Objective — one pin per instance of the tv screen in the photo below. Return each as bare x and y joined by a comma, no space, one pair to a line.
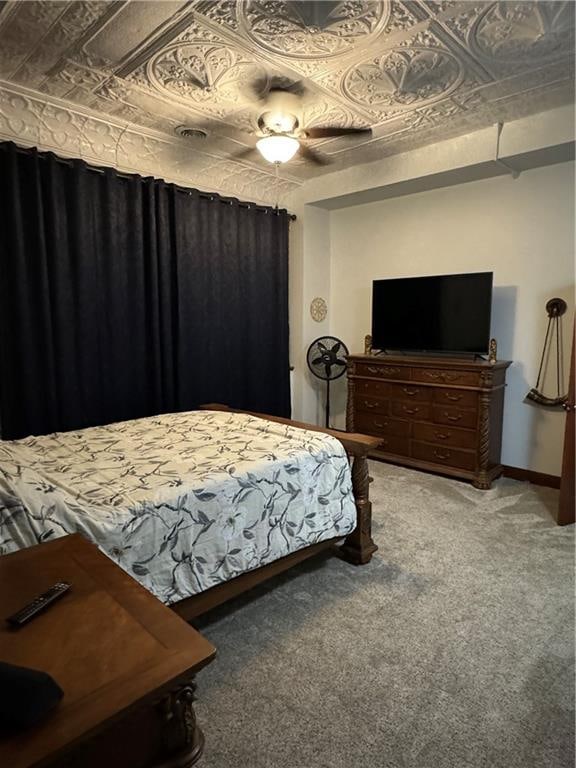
444,313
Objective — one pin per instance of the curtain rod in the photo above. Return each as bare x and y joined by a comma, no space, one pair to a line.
186,190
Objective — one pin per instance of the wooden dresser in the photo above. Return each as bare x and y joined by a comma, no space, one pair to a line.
433,413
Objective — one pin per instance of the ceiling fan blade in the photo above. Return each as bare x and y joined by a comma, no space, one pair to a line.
336,348
245,154
257,89
296,87
312,156
261,88
317,361
332,132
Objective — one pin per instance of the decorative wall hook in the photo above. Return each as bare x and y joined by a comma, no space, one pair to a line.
555,308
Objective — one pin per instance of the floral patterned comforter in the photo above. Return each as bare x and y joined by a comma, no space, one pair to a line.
181,501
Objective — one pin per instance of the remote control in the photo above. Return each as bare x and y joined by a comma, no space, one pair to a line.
40,603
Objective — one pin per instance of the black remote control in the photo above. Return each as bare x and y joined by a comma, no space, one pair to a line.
40,603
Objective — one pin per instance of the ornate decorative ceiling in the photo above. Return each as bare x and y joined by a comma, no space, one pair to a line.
416,71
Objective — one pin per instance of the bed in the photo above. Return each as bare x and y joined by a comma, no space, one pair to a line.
197,506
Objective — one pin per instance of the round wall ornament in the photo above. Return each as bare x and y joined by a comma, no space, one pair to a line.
318,309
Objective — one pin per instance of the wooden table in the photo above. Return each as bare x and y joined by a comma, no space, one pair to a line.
125,661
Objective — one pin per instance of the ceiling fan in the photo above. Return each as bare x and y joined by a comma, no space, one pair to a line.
280,124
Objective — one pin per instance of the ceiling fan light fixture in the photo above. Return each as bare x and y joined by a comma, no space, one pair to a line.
278,149
278,121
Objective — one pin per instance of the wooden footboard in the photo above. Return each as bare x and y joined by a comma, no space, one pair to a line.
358,547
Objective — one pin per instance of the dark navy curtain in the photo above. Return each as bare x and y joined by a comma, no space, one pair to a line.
124,296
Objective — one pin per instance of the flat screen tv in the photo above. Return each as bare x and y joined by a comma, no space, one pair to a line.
443,313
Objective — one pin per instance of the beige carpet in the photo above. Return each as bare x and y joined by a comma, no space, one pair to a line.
452,649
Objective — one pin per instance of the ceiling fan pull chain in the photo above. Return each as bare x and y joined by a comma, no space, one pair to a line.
277,165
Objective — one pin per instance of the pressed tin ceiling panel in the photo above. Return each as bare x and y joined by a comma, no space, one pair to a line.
415,71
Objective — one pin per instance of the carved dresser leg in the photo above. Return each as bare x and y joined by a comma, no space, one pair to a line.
183,739
359,545
482,479
350,426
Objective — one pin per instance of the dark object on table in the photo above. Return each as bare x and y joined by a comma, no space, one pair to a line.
26,696
39,604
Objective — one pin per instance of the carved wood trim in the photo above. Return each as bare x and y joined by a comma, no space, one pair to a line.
383,370
183,740
486,378
449,378
483,480
350,410
359,545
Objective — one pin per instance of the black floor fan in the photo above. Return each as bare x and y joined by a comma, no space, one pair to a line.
326,359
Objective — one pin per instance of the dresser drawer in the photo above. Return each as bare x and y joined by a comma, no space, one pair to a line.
380,425
394,444
438,454
461,397
410,392
371,404
441,435
456,417
438,376
382,371
419,411
370,388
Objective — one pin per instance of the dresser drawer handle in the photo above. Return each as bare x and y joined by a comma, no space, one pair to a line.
371,405
410,410
381,424
454,398
443,435
442,456
410,392
453,418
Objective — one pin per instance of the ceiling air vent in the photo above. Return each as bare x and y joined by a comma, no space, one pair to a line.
187,132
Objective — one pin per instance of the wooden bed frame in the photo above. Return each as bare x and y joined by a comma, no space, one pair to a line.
358,547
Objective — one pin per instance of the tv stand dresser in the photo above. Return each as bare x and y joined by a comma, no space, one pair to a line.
432,413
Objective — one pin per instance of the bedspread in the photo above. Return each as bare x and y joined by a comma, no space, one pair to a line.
182,501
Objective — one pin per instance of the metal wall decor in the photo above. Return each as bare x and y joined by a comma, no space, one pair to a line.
555,309
318,309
